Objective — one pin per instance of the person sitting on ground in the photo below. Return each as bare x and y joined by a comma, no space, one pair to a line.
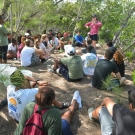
89,42
79,40
89,61
88,36
54,42
114,118
12,49
54,123
105,67
118,59
21,46
29,55
59,35
109,44
65,40
70,67
21,92
39,45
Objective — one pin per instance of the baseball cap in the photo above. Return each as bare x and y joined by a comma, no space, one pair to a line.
70,50
65,33
27,34
113,49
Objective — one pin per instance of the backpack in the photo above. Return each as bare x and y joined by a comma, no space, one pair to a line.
34,125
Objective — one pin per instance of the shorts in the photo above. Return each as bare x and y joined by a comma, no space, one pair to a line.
94,37
66,128
64,71
106,122
35,60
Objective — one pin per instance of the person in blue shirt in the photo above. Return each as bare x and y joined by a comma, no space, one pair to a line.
79,40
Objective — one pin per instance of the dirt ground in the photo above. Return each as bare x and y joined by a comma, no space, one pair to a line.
91,97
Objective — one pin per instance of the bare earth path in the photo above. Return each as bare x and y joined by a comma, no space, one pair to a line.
91,97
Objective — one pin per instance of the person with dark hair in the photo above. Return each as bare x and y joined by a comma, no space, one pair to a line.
53,122
44,32
29,55
59,35
105,67
9,38
109,44
12,49
79,40
89,61
3,41
94,27
115,119
70,67
89,42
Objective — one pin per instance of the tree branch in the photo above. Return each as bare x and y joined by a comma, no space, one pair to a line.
115,38
58,2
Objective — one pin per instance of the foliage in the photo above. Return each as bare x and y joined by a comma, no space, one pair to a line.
109,85
133,76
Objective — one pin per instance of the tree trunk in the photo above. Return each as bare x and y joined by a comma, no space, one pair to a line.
5,7
117,35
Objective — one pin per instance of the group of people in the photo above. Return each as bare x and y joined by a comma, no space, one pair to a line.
24,100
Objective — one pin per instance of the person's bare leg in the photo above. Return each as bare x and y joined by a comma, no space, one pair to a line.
122,80
56,64
94,43
70,111
9,56
95,113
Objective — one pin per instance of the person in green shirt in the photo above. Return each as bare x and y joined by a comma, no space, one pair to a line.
71,67
54,123
65,40
3,41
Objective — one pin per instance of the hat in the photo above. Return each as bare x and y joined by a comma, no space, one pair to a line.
70,50
65,33
93,16
113,49
27,34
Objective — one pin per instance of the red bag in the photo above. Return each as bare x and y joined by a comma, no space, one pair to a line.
34,125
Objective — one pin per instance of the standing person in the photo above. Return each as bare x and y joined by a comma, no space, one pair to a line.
3,41
94,27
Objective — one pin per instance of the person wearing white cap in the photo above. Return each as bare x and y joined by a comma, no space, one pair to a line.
70,67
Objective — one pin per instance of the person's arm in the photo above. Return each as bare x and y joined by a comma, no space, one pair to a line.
87,24
99,24
41,83
108,103
4,31
38,52
118,76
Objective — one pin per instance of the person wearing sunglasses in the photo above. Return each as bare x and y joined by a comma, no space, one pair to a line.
114,118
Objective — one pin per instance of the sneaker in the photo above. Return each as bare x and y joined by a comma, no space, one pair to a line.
61,51
78,98
58,71
90,110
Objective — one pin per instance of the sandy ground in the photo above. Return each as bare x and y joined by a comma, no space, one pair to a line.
91,97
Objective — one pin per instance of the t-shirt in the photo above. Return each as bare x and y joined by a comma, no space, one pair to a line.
79,38
54,42
103,68
26,55
74,64
124,121
17,100
3,37
42,47
12,48
121,68
51,120
89,63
